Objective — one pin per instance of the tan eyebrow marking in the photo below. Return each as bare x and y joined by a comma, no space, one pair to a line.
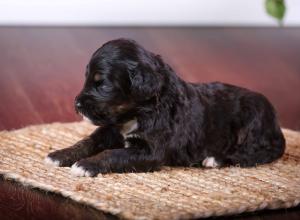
97,77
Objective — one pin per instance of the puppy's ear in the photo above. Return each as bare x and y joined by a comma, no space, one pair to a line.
145,83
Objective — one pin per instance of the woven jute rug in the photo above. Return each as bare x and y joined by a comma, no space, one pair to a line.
173,193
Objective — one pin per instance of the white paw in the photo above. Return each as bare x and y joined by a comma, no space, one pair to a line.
209,162
79,171
127,144
51,162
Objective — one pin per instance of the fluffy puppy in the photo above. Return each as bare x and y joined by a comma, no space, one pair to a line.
149,117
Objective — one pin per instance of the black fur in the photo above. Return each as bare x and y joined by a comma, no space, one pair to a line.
179,123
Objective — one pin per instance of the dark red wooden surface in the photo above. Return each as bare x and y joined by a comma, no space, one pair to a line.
42,69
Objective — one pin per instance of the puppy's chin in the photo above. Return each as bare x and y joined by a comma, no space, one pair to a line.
93,122
86,119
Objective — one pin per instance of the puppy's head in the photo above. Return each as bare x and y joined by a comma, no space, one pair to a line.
120,76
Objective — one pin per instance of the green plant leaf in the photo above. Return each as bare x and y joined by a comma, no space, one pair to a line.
275,8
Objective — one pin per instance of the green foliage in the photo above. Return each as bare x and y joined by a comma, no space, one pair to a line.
276,8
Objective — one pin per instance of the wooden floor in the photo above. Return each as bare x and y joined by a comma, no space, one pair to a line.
42,69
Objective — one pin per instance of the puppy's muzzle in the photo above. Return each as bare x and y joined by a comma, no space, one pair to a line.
85,103
81,103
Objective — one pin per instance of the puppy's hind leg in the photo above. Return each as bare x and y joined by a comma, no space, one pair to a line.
99,140
257,146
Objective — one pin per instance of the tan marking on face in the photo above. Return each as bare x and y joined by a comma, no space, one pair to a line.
121,107
97,77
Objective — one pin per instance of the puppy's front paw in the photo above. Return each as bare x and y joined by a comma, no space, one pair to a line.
77,170
51,162
59,158
85,167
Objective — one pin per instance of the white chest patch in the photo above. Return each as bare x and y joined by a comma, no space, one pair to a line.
129,127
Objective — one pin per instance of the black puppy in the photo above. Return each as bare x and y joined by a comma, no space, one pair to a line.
149,117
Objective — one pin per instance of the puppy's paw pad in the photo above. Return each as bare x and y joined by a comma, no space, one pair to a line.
77,170
210,162
51,162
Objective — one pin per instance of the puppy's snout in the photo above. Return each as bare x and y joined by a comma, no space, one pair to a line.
83,101
79,103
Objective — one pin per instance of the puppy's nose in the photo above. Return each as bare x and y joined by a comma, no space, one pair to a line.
78,104
82,101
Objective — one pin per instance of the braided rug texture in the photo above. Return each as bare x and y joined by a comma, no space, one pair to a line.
172,193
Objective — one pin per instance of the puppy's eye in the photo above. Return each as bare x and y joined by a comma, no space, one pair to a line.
103,86
97,77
